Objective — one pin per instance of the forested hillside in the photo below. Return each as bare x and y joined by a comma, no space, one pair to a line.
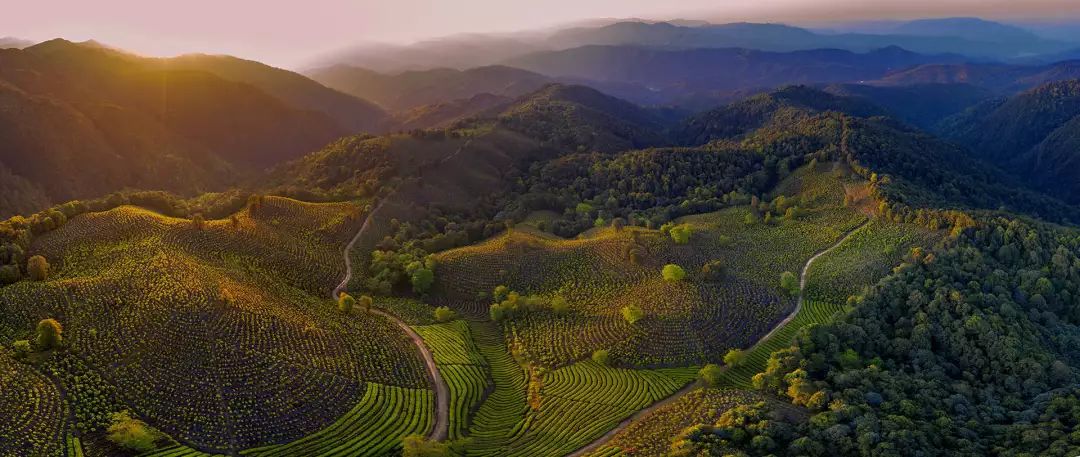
1035,133
80,120
412,89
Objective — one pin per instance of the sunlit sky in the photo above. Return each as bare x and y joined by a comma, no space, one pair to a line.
289,33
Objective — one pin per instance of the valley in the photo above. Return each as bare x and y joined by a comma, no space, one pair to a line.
626,237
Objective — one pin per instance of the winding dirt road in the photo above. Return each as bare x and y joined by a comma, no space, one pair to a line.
442,395
596,444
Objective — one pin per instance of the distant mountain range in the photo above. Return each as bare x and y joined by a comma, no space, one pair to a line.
412,89
974,38
692,78
998,77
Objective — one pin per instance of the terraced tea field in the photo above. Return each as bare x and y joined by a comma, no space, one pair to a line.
865,258
685,322
214,334
34,411
269,366
464,369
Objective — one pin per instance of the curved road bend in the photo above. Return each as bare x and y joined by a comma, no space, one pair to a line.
442,395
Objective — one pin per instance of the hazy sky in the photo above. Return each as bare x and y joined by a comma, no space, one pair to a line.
288,33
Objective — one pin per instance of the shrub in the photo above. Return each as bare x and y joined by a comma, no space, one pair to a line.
714,270
559,305
9,274
602,356
711,374
789,283
38,268
673,272
49,334
418,446
346,303
22,348
681,234
497,312
444,314
632,313
365,302
734,358
132,434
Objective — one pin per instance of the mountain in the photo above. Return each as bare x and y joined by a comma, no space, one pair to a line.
14,43
353,113
444,114
976,39
411,89
82,120
922,105
970,37
584,118
457,52
665,34
677,73
969,28
1036,133
996,76
780,106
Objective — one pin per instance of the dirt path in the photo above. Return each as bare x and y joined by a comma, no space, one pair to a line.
442,395
596,444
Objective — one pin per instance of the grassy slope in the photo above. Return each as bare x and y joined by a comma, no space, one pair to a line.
219,336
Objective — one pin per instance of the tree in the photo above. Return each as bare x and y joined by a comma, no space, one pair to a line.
618,223
132,434
602,357
38,268
345,303
681,233
559,305
734,357
672,272
789,283
49,334
365,302
422,279
500,293
711,374
632,314
444,314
